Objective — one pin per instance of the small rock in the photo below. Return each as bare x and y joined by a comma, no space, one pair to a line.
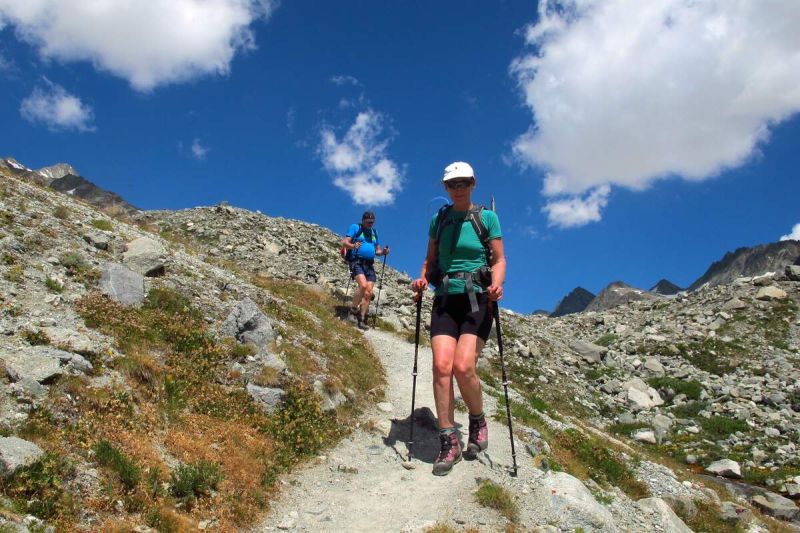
725,468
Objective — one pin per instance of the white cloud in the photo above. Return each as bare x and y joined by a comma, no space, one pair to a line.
625,92
794,235
345,79
359,163
575,210
149,43
57,109
198,150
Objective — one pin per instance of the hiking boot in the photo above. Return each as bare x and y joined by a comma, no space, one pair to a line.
478,437
361,322
449,455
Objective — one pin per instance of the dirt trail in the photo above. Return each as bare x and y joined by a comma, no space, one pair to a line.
361,485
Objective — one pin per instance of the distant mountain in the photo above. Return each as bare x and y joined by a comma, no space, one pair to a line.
62,177
574,302
772,257
618,293
665,287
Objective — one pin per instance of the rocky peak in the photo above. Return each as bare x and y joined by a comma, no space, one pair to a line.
57,171
574,302
743,262
665,288
618,293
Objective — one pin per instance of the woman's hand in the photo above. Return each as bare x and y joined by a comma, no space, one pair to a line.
419,286
495,292
385,251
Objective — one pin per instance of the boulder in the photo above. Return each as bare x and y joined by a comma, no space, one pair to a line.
266,397
793,272
567,502
776,506
725,468
39,363
664,515
735,514
645,435
145,256
734,304
16,453
248,324
330,400
98,239
771,292
591,353
122,284
654,367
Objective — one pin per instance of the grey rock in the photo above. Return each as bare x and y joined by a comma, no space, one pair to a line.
248,324
793,272
645,435
145,256
16,453
39,363
734,304
591,353
122,284
569,503
268,398
725,468
654,367
664,516
98,239
772,292
776,505
330,399
735,514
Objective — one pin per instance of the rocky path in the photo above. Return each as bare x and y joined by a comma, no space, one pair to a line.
361,485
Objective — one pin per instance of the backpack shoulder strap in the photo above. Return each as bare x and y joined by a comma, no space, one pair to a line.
476,218
441,217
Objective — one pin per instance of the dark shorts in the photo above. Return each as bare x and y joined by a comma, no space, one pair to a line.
367,268
455,317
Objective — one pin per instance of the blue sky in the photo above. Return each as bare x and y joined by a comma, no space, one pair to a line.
622,140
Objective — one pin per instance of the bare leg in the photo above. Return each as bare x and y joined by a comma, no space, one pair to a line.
464,369
444,350
358,293
366,297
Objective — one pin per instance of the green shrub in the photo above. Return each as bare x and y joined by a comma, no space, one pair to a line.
720,427
689,409
606,340
14,274
61,212
188,482
35,337
300,424
39,487
109,456
102,224
496,497
53,285
691,388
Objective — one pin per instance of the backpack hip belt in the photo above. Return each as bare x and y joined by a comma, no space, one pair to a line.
478,277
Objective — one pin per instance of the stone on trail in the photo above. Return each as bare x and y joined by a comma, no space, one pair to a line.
725,468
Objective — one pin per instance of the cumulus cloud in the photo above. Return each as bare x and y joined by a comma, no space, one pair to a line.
57,109
148,43
577,210
794,235
359,163
345,80
625,92
198,150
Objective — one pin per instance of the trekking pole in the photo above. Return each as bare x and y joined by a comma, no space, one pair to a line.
506,382
414,382
380,288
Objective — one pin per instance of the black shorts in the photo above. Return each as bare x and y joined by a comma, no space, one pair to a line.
455,316
363,267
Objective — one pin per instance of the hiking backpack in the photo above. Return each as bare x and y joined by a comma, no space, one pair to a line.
474,216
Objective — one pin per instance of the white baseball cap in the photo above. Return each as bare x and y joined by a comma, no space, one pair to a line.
459,169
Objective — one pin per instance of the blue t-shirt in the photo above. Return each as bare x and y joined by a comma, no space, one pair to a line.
368,240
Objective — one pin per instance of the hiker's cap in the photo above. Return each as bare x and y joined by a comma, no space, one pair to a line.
368,215
459,169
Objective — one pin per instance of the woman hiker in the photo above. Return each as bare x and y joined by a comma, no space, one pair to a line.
362,246
466,264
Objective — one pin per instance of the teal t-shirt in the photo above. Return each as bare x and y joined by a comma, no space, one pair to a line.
469,254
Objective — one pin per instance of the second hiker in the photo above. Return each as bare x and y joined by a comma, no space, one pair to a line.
362,246
465,262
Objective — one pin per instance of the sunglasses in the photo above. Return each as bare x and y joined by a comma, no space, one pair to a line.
368,220
458,184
